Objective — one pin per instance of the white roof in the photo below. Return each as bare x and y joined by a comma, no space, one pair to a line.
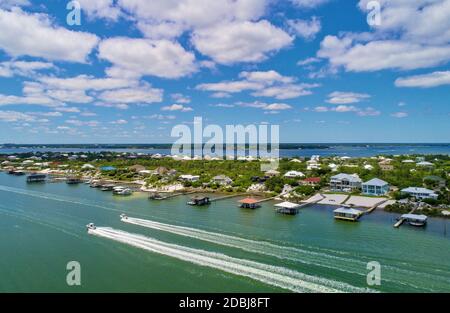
418,190
294,174
353,178
347,211
424,164
287,205
420,217
376,182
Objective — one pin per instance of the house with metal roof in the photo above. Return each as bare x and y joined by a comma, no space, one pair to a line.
375,187
345,182
420,193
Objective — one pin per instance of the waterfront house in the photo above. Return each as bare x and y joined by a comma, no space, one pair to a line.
287,208
222,180
294,174
347,214
375,187
189,178
345,182
420,193
311,181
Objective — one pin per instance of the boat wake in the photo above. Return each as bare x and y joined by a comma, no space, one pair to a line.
273,275
260,247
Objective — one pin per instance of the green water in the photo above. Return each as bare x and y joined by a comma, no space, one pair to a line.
42,228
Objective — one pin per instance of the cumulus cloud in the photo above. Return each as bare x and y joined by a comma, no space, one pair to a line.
412,35
100,9
308,4
399,114
262,84
425,81
26,34
236,42
177,107
144,94
141,57
307,29
339,97
23,68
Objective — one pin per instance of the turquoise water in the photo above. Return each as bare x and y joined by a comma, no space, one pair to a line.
42,228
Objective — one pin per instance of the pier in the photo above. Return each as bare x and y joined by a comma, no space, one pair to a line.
229,197
373,208
158,196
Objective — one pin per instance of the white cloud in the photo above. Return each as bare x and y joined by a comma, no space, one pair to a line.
100,9
339,97
283,92
425,81
119,122
399,114
262,84
308,61
307,29
177,107
23,68
14,116
7,4
308,4
180,98
144,94
268,77
35,35
236,42
195,13
140,57
85,82
412,35
119,106
76,122
369,111
265,106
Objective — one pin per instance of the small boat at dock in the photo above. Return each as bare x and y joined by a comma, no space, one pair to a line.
107,187
122,191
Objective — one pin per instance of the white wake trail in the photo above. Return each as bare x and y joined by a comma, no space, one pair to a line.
272,275
260,247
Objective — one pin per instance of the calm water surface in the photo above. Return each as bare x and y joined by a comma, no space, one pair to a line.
42,227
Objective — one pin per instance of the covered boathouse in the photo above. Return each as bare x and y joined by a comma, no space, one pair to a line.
249,203
36,178
199,201
287,208
347,214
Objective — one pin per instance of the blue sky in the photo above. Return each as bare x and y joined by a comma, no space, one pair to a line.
133,69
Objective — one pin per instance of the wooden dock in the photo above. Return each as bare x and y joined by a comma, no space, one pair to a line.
229,197
174,195
370,210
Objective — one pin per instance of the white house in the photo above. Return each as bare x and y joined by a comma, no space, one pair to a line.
420,193
294,174
345,182
368,167
425,164
222,180
190,178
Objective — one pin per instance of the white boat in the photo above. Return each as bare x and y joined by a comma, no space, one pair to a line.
123,217
122,191
90,226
